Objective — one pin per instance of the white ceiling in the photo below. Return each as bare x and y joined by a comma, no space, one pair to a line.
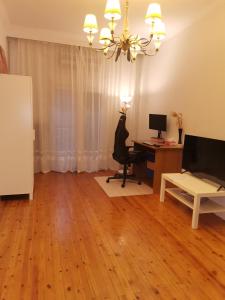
66,16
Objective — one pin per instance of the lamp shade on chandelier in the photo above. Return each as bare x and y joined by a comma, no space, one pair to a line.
113,10
126,43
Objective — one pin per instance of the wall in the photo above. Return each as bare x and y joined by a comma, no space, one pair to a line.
188,76
4,23
52,36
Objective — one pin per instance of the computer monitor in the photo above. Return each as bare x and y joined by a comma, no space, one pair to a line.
158,122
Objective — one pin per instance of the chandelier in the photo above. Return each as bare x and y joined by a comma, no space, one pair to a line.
126,43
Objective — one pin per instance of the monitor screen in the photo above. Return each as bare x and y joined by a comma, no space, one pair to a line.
205,156
157,122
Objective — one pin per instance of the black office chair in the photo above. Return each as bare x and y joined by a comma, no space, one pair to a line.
122,154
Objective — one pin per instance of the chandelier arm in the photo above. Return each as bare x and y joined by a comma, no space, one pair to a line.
128,55
115,38
110,45
150,39
100,49
114,51
146,42
107,47
145,45
143,40
112,41
149,54
135,41
118,52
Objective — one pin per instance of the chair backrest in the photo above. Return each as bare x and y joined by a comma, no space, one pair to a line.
120,153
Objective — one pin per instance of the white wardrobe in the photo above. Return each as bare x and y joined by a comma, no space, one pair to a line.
16,135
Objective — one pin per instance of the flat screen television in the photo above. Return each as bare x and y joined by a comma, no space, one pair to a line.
205,157
158,122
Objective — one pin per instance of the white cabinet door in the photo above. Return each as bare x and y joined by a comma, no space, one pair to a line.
16,135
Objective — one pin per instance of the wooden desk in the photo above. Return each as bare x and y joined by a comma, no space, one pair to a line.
163,159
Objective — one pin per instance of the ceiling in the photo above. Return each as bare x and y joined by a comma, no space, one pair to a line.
66,16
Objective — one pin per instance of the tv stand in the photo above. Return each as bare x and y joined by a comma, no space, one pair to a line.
190,191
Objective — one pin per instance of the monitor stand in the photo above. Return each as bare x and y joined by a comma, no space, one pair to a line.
159,134
159,138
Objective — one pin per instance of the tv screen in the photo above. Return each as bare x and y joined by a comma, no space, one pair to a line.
157,122
205,156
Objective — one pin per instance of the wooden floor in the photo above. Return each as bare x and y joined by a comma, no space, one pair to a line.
73,242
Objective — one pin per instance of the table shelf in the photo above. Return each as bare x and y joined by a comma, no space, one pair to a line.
206,206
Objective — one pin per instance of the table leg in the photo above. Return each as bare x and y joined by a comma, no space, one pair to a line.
195,214
162,189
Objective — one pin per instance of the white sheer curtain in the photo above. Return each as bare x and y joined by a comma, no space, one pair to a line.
76,103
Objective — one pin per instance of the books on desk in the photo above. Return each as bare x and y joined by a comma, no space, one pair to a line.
157,141
148,143
164,142
152,144
160,142
170,143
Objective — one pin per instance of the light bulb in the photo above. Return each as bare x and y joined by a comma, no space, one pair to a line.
105,36
134,49
157,44
125,98
159,30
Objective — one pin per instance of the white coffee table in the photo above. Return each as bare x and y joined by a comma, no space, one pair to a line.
190,191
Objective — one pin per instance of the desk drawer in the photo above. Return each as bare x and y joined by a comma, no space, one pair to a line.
150,156
150,165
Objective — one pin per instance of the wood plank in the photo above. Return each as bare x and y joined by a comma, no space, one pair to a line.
73,242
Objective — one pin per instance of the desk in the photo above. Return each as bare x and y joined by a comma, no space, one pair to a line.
163,159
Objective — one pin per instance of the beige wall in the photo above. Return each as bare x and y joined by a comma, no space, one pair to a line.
4,23
188,76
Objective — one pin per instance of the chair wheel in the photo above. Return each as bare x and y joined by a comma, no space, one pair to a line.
139,182
123,185
107,180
